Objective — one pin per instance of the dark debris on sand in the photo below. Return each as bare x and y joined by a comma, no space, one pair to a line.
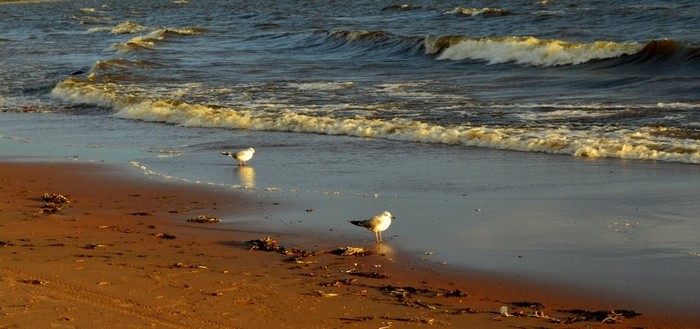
536,310
53,203
265,244
371,275
166,236
424,297
270,244
203,219
351,251
407,291
612,316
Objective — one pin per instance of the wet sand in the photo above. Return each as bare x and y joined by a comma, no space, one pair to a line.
122,254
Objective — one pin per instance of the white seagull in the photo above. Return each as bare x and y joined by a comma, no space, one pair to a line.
376,224
241,156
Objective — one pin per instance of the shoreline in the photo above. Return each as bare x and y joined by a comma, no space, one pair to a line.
600,225
106,259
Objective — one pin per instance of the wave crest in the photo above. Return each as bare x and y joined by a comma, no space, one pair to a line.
149,40
360,35
127,27
525,50
486,12
375,43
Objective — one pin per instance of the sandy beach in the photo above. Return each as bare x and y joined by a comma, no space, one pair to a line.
122,254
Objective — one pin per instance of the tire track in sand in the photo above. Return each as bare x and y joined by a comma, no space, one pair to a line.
79,294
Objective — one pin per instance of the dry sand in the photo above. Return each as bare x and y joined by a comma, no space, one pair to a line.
121,254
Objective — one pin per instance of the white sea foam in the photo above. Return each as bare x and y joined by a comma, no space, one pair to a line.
142,41
563,114
531,51
679,105
325,86
650,143
127,27
478,11
414,90
150,39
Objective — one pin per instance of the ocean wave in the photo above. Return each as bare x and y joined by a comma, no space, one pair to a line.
531,51
526,50
151,39
90,15
361,35
646,143
486,12
127,27
564,114
375,43
182,31
87,10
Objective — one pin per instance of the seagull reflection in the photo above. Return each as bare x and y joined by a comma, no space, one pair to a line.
382,249
246,175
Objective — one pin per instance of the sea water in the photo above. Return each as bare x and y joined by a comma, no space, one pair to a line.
552,140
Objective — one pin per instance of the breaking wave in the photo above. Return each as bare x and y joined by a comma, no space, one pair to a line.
646,143
526,50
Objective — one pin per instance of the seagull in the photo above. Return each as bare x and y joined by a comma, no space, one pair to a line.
376,224
241,156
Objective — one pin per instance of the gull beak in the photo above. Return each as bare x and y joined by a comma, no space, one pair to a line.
392,217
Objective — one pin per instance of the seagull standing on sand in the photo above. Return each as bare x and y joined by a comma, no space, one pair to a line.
241,156
376,224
